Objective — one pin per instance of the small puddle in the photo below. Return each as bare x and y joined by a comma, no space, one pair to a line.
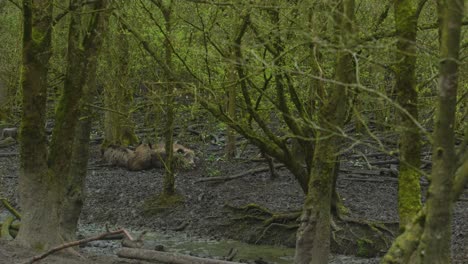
188,245
210,248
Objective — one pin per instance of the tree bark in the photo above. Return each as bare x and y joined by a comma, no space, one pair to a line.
435,241
37,190
119,129
409,190
313,235
44,182
169,174
74,186
427,238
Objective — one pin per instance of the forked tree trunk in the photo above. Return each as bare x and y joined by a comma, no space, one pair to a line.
38,191
427,238
409,190
74,186
43,178
313,235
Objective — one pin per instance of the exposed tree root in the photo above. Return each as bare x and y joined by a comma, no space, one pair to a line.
348,236
239,175
5,231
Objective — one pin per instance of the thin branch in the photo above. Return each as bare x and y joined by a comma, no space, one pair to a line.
15,4
77,243
10,208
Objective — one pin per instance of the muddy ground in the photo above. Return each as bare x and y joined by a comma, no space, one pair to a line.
115,197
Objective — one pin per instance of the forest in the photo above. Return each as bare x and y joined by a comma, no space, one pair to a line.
229,131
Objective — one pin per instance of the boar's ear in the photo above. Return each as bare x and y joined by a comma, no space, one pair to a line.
181,151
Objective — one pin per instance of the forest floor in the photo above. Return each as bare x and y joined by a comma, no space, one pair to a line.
116,198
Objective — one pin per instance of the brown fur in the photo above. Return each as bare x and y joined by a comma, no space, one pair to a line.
183,157
118,156
146,157
142,159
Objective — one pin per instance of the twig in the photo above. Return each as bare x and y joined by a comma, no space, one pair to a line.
239,175
9,154
10,208
77,243
107,109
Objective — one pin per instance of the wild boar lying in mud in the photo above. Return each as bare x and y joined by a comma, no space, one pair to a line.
184,158
117,156
141,158
145,156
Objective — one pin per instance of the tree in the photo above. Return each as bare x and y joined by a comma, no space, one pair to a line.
409,190
44,182
40,215
434,246
313,235
119,129
10,54
427,238
74,186
166,8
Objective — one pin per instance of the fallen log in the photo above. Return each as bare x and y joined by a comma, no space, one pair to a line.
239,175
375,172
166,257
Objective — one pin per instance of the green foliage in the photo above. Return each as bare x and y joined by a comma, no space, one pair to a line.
10,56
364,247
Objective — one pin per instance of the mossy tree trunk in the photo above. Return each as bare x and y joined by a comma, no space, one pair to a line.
44,178
169,175
74,185
37,190
427,238
409,190
119,128
436,238
313,235
231,110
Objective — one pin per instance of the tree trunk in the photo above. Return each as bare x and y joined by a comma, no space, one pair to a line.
427,239
38,191
74,188
409,190
435,241
169,177
313,235
231,110
119,129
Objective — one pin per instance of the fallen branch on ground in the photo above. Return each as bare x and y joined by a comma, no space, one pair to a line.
77,243
166,257
10,208
5,231
7,142
8,154
239,175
